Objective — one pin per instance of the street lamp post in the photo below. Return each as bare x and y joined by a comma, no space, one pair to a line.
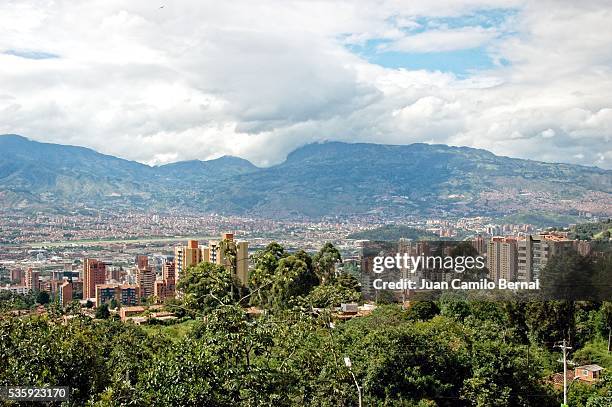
349,365
564,348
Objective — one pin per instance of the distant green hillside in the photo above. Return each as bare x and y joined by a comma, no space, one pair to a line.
316,180
393,233
593,230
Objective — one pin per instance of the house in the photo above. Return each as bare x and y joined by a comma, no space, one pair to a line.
126,312
588,373
349,308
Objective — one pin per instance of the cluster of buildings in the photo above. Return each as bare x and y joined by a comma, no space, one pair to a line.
511,258
227,252
521,258
102,282
91,228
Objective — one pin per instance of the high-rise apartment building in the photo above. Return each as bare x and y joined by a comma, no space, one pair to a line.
145,276
221,253
32,279
502,258
480,244
113,273
142,261
94,273
17,276
168,268
65,293
534,251
163,290
583,247
190,255
166,288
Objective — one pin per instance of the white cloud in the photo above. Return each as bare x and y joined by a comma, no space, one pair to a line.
548,133
202,79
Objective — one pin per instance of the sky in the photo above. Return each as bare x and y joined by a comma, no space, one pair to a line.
159,82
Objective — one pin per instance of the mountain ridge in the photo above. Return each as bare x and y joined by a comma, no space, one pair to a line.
298,149
318,179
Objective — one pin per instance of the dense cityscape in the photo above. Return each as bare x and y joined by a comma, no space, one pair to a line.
70,256
306,203
158,272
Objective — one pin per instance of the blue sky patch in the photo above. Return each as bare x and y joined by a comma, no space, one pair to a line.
29,54
460,61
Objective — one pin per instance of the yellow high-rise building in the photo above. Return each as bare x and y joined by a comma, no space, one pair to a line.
217,254
190,255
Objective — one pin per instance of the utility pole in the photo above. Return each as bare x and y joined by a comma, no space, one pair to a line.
609,337
565,348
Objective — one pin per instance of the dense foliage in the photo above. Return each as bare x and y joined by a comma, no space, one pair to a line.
445,353
592,230
427,354
570,276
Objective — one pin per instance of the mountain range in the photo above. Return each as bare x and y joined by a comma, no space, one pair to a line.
322,179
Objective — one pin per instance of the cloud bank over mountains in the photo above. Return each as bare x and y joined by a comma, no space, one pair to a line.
193,79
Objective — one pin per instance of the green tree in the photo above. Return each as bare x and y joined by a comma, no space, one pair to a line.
306,258
385,297
102,312
206,286
500,378
325,262
325,296
221,363
602,275
348,281
423,310
550,321
454,307
570,276
291,279
42,297
262,276
11,301
606,313
114,304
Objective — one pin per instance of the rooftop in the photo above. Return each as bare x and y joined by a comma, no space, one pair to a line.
592,368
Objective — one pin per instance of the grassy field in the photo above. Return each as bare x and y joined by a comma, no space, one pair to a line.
175,332
600,235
